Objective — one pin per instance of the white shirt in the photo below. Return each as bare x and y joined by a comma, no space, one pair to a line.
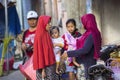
57,48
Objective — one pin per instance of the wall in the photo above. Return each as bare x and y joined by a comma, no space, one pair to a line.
73,9
111,18
97,9
108,17
82,11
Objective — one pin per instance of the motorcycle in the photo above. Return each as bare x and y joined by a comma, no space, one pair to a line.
103,72
100,72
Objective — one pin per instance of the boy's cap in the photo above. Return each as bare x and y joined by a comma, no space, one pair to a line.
32,14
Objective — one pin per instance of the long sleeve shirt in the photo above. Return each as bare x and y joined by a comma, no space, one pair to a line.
85,54
84,50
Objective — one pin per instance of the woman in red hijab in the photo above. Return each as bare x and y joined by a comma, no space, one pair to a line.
43,56
88,45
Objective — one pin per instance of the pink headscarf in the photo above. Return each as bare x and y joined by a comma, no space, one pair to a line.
89,23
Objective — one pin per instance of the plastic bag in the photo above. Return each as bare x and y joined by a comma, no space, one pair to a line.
27,69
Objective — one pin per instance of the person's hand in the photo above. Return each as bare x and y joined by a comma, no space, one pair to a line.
54,45
43,74
64,55
24,47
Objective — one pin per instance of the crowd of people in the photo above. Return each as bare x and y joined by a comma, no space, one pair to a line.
44,42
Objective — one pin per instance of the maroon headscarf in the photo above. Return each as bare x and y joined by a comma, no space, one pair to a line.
89,23
43,54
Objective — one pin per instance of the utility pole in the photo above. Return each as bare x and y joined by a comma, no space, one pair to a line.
6,32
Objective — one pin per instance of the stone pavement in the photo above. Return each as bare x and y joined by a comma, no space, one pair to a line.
16,75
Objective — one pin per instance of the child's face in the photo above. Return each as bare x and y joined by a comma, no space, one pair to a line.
70,27
55,33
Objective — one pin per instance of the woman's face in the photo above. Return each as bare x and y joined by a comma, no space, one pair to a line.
70,27
48,26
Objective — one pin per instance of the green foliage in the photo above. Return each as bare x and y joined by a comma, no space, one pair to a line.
6,42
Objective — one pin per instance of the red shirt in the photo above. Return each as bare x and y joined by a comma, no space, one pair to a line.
28,39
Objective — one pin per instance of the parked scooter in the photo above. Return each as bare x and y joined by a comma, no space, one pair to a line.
106,50
100,72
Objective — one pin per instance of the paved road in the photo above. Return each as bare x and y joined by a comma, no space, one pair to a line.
16,75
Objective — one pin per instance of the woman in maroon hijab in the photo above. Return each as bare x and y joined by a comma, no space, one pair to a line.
89,45
43,56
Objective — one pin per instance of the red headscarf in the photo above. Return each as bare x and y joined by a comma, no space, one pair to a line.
43,49
89,23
